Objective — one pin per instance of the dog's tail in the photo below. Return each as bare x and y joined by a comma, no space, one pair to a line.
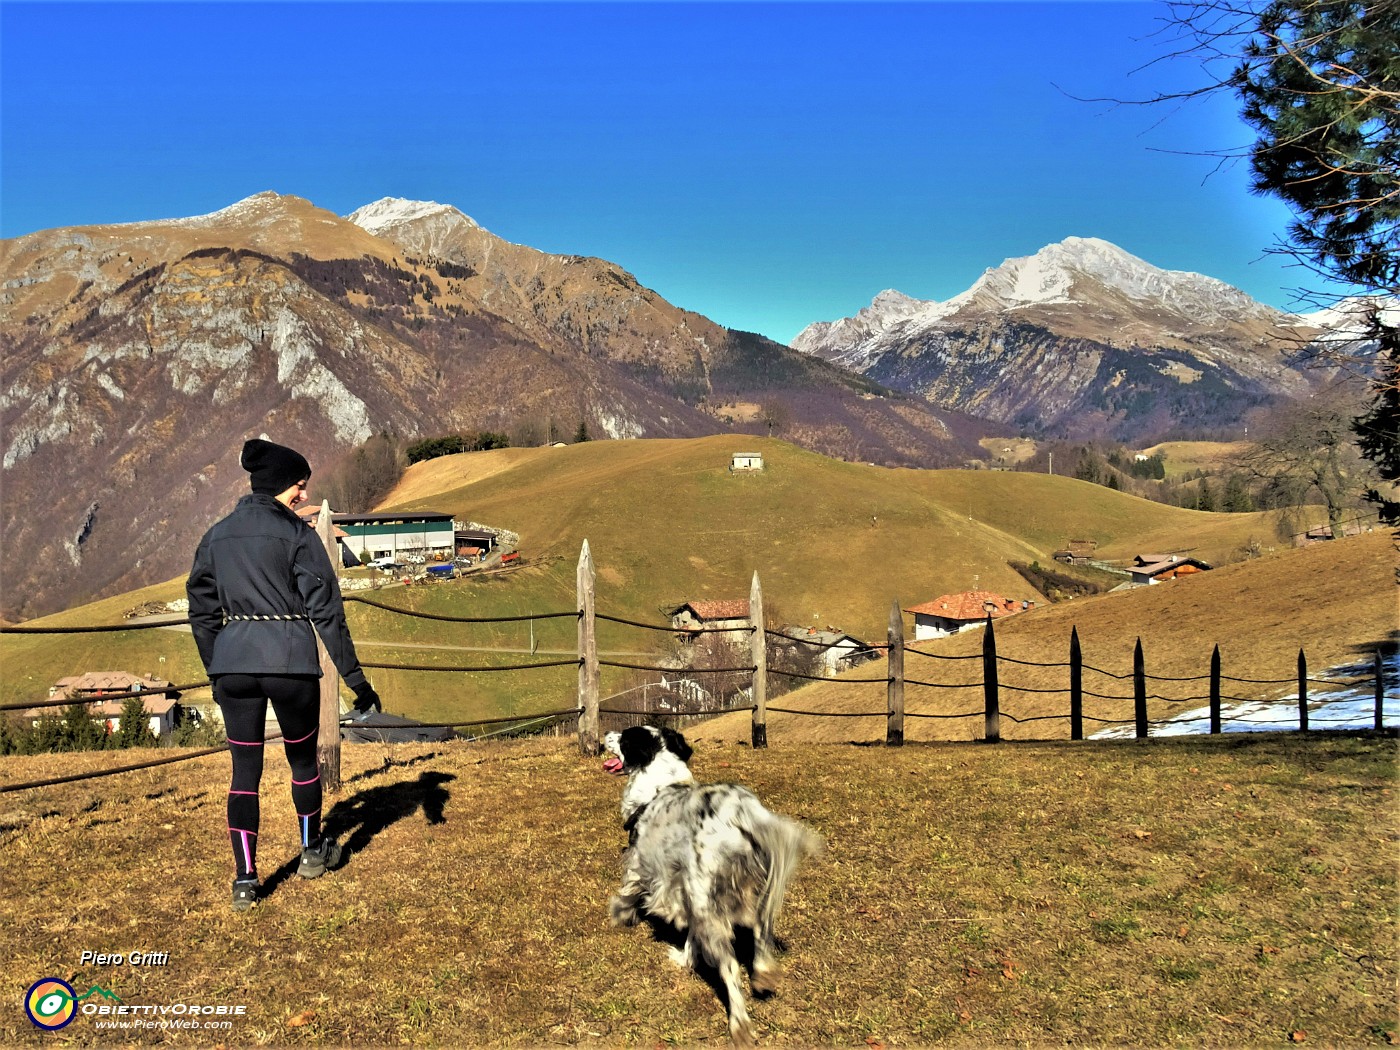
786,843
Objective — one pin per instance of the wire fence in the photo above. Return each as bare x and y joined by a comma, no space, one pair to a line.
764,647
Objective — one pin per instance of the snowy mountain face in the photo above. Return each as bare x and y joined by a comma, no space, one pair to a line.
1081,339
425,227
388,212
1079,269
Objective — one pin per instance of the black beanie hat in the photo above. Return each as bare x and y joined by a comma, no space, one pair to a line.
273,468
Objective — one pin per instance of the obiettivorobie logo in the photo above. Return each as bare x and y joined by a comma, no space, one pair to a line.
51,1002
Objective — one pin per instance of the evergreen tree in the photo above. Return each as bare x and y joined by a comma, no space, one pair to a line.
1378,429
80,732
1319,81
581,434
1236,499
134,729
1205,498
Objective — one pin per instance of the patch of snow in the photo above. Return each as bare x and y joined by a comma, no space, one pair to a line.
1346,320
1353,707
249,209
394,211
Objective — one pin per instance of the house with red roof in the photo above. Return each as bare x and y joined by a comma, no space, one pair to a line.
952,613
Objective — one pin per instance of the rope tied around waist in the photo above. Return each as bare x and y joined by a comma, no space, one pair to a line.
230,617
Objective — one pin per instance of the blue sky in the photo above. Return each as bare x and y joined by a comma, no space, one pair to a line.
767,165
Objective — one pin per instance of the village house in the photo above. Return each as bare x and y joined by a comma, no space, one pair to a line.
160,700
1159,568
832,651
746,461
952,613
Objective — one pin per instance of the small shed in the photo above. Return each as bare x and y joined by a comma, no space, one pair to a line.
731,614
746,461
1076,552
474,543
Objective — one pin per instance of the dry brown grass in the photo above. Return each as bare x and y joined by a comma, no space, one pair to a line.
1224,892
1336,601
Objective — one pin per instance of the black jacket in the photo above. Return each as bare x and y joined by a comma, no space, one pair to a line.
263,560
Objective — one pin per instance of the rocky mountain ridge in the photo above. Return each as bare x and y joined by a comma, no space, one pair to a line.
137,357
1081,340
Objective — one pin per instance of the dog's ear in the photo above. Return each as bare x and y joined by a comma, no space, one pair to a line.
675,743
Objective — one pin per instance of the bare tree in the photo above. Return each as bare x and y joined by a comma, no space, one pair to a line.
364,477
1306,451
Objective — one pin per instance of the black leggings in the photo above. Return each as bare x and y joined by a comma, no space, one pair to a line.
297,701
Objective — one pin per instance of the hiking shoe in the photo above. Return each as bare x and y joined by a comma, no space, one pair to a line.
318,859
245,894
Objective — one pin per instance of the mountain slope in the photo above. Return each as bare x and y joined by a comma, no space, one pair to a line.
832,542
138,357
1080,340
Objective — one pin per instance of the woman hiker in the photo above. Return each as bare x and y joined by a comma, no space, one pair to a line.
261,581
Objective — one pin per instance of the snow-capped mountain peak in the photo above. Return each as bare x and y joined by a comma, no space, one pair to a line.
1078,266
388,212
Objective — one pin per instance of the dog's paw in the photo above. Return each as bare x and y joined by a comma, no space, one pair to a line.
766,981
741,1035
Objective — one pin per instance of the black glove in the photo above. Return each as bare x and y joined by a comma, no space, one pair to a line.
366,699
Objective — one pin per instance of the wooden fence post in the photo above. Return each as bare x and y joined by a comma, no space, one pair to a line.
758,644
894,688
990,690
1215,690
1302,692
328,742
1076,686
1380,691
588,656
1139,692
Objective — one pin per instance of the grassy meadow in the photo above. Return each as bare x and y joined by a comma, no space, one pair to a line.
1235,891
1225,892
832,542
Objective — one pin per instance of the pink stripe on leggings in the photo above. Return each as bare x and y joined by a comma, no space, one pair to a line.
303,783
245,743
299,739
247,853
232,792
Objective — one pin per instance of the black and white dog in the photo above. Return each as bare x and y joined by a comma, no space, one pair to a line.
704,858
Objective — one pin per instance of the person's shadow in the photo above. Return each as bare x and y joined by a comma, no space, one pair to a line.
354,821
